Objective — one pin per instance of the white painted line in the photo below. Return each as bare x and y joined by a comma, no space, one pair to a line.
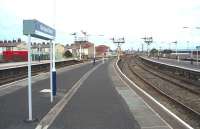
39,127
45,91
153,127
142,99
154,100
55,111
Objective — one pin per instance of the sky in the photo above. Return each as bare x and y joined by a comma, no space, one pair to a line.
133,19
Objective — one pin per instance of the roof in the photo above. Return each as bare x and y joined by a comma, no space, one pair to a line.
77,45
87,45
102,48
10,44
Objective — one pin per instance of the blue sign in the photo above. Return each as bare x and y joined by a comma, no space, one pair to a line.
38,30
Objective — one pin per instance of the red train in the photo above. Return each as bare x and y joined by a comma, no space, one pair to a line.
15,56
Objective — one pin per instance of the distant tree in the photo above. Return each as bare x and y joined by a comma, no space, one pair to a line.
167,51
19,40
153,51
67,54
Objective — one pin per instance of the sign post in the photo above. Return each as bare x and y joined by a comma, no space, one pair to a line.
30,118
54,72
34,28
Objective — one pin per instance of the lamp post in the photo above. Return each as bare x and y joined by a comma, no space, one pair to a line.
80,51
158,54
80,41
197,48
75,40
142,48
177,57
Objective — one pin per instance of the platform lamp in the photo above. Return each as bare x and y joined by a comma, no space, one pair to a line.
177,57
75,38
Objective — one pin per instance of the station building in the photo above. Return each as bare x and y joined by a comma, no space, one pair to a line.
87,49
39,50
102,50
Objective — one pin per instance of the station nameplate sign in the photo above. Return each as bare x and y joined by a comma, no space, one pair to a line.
38,30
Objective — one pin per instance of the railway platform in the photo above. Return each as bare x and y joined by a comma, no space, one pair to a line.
89,97
21,64
174,62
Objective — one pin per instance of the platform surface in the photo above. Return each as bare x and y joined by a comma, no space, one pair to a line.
103,101
173,62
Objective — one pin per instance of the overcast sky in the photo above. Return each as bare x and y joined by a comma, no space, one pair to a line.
133,19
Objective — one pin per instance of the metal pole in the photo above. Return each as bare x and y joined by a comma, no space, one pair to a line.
39,52
118,53
191,56
51,75
177,52
29,80
75,39
94,60
54,58
94,52
53,66
103,58
80,51
197,56
142,48
54,71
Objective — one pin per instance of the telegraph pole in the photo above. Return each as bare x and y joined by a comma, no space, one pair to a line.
118,42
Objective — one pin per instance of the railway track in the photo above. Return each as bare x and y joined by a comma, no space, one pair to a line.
172,79
187,99
17,73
